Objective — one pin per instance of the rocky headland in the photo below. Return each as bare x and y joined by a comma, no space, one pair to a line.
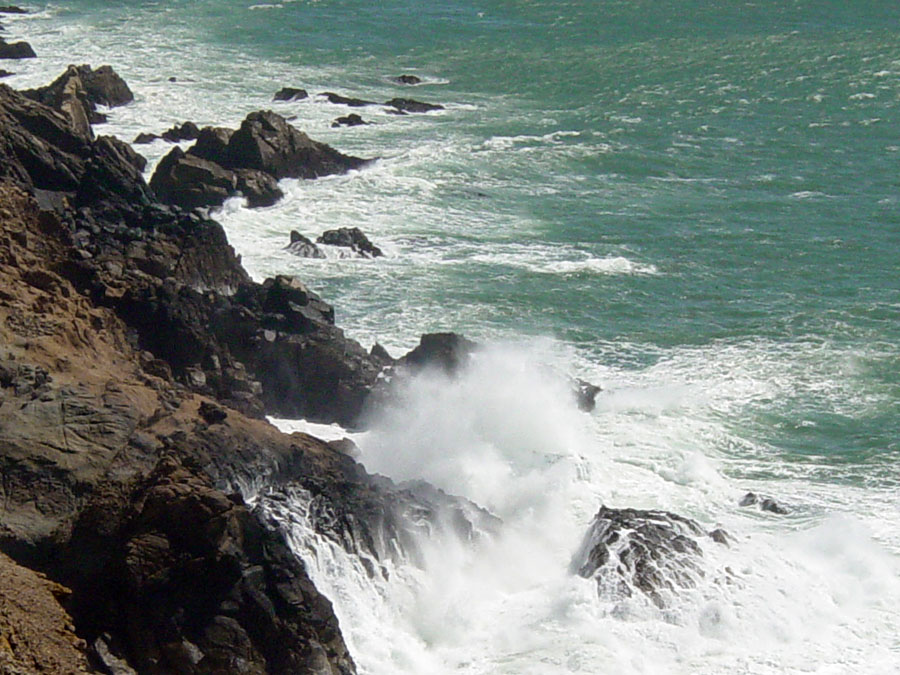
138,360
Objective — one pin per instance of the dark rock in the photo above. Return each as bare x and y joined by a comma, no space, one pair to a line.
409,105
447,351
212,144
212,413
290,94
407,79
764,503
303,247
650,552
68,95
259,188
143,138
266,142
105,87
5,73
12,9
190,181
585,394
345,100
16,50
381,354
352,238
351,120
188,131
112,174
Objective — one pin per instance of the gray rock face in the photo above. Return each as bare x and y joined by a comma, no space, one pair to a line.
630,551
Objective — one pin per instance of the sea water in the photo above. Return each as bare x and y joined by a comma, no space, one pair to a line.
692,204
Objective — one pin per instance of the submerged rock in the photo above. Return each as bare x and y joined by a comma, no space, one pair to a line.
144,138
630,551
407,79
352,238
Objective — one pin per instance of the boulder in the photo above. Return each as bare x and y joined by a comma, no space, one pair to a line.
351,120
12,9
266,142
409,105
16,50
188,131
189,181
259,188
630,551
290,94
447,351
212,144
346,100
303,246
407,79
352,238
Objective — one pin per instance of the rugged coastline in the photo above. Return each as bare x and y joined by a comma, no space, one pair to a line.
138,362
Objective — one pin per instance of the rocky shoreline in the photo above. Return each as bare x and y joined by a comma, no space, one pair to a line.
138,360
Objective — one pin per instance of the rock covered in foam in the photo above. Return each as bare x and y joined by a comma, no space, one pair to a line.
630,551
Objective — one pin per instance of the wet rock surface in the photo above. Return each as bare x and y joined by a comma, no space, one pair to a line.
352,238
290,94
351,120
410,106
763,503
303,246
655,553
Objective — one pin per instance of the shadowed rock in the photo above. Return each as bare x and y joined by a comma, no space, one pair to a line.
352,120
188,131
190,182
16,50
346,100
407,79
764,503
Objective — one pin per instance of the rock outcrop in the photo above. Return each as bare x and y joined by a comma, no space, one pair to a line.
351,120
250,160
16,50
654,553
290,94
303,246
407,79
352,238
408,105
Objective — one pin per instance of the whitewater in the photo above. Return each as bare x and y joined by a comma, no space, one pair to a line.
692,206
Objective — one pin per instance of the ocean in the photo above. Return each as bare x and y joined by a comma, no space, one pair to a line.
692,204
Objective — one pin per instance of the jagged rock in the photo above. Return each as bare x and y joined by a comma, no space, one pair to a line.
352,238
112,174
188,131
409,105
346,100
212,413
447,351
381,355
259,188
651,552
143,138
105,87
290,94
303,246
764,503
193,583
266,142
16,50
190,181
212,144
352,120
407,79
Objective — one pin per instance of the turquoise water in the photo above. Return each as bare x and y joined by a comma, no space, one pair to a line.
696,202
